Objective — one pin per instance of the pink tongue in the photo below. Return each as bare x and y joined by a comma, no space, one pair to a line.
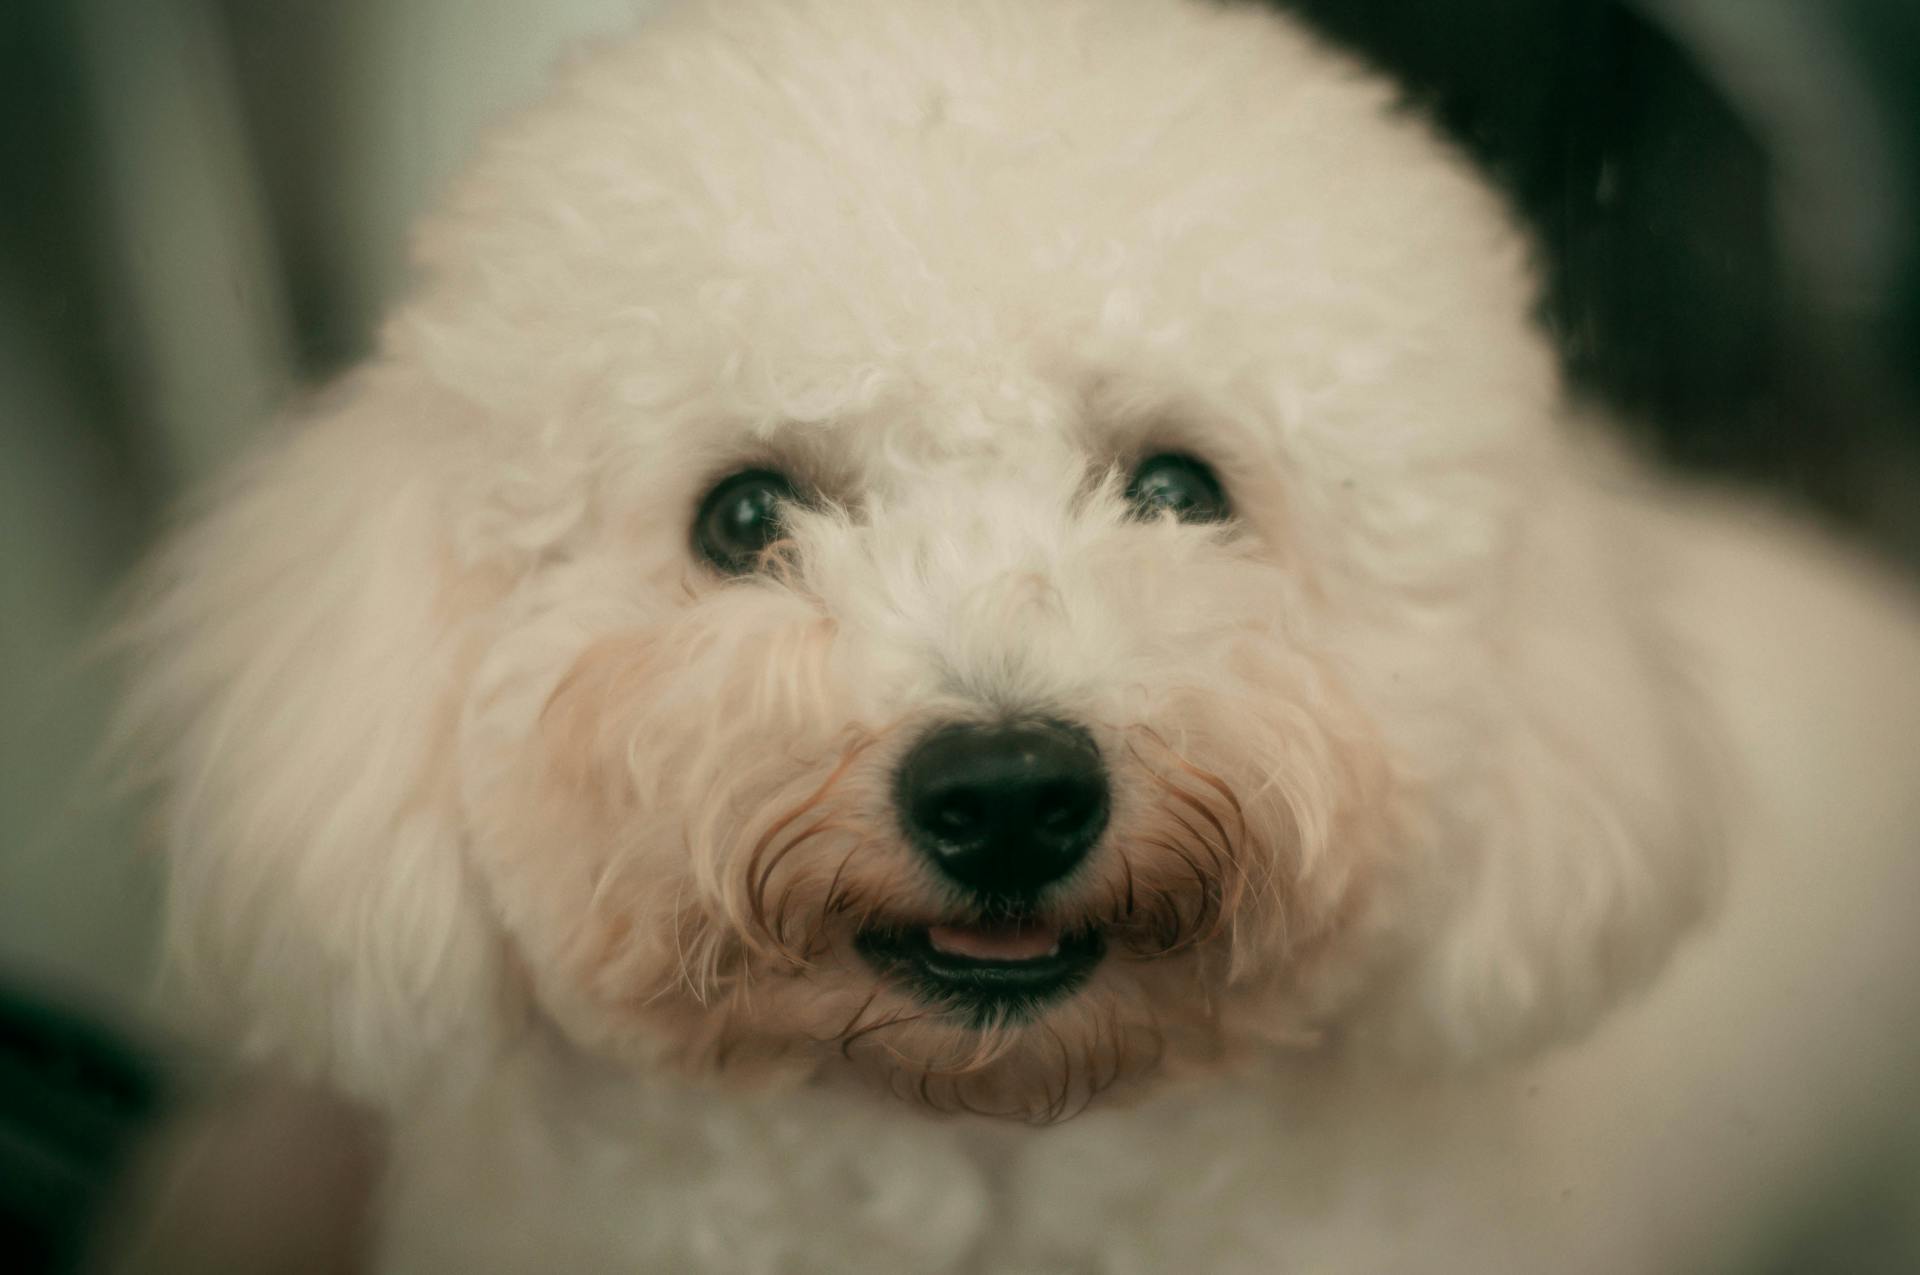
989,943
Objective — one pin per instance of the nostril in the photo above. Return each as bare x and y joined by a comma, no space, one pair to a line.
957,813
1004,809
1063,806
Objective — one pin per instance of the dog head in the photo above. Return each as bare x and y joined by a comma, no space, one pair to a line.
996,548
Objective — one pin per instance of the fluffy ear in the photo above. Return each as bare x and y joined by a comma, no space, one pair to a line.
294,657
1581,838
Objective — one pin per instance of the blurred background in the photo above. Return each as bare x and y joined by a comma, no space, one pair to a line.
203,207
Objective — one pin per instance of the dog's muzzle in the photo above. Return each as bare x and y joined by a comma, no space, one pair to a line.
1004,812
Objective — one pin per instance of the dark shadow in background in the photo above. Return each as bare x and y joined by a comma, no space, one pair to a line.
1668,293
53,263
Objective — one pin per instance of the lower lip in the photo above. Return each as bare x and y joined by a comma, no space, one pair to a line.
985,991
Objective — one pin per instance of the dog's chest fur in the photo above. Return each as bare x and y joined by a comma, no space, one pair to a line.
540,1172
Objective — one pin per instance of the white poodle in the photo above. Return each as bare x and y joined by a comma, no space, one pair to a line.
974,635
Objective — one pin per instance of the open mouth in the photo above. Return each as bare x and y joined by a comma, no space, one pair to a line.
986,971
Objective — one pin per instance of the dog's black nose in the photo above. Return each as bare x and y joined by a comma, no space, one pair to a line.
1004,809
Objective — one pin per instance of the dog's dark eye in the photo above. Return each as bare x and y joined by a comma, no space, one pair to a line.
740,517
1179,485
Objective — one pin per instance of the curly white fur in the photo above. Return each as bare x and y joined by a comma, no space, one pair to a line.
491,805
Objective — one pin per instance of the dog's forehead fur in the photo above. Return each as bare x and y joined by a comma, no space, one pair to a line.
905,219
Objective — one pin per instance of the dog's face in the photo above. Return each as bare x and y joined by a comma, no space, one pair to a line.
982,546
1001,769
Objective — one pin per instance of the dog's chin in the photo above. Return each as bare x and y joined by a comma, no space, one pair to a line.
1023,1020
1028,1016
1030,1010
